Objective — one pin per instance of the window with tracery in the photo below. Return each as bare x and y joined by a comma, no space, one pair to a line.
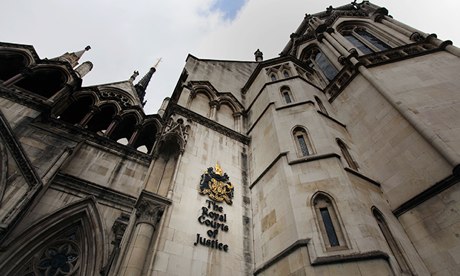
59,257
328,222
303,143
316,59
363,39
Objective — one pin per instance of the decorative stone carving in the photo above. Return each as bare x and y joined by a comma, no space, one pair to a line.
149,212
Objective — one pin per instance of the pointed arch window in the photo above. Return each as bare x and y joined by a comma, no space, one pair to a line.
273,77
328,222
316,59
286,74
286,95
321,106
303,143
346,154
392,243
365,41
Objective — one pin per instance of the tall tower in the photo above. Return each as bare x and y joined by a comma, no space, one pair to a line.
339,157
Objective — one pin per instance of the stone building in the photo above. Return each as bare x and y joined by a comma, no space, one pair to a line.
339,157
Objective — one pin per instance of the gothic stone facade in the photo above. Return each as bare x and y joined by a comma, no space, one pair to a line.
340,157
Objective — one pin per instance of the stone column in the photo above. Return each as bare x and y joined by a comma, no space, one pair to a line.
336,44
19,77
148,213
343,41
382,19
112,126
214,107
330,52
88,116
238,116
415,35
135,134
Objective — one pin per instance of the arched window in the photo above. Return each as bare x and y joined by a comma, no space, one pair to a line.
315,59
286,74
11,64
303,143
364,40
77,110
328,222
346,154
273,77
286,94
392,244
44,81
321,106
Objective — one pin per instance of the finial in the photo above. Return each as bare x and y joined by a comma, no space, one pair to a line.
142,84
134,75
158,62
73,57
259,55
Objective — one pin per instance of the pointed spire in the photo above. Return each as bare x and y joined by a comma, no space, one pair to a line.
141,86
73,57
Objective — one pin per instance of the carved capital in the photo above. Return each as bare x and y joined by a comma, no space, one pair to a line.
149,212
150,208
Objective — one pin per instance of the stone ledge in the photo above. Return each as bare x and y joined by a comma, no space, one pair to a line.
297,244
335,259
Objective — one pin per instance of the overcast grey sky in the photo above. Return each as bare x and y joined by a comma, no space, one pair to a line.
131,35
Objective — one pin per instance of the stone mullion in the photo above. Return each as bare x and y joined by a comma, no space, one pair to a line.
328,51
88,116
135,135
112,126
343,41
19,77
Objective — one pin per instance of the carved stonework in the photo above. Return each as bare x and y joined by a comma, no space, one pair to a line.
149,212
179,129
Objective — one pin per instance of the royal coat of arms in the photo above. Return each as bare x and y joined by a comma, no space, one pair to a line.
216,185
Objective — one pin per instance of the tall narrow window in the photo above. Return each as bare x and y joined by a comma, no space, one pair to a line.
273,77
346,154
358,44
326,66
321,106
392,244
302,144
329,226
302,141
317,61
363,40
286,74
372,39
287,97
328,222
286,94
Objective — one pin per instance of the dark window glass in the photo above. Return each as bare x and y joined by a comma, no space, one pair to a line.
358,44
286,74
303,145
287,98
331,235
373,40
325,65
273,77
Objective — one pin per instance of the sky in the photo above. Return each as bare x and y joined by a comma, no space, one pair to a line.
131,35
